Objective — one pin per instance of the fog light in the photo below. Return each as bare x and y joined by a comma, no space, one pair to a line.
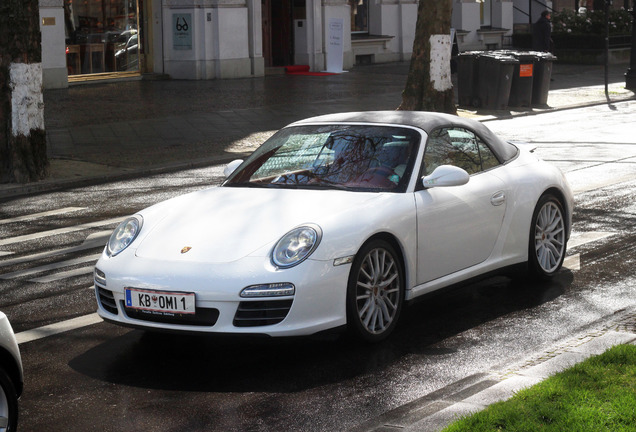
269,290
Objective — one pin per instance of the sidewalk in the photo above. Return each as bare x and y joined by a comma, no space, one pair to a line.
101,132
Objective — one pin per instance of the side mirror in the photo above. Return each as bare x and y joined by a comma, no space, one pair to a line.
232,166
444,176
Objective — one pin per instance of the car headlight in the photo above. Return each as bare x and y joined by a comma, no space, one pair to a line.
124,235
296,246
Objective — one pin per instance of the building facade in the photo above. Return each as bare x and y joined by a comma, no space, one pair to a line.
216,39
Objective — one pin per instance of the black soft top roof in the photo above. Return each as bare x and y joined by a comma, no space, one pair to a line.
427,121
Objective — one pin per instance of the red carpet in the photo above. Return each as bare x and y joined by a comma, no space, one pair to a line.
303,70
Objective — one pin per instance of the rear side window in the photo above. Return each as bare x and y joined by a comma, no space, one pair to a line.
458,147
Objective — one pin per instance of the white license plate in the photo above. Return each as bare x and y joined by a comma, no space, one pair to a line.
160,301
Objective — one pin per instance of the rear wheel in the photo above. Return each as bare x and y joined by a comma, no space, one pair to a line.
547,238
375,292
8,404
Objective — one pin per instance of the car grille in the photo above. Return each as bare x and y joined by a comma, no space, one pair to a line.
107,300
261,313
203,317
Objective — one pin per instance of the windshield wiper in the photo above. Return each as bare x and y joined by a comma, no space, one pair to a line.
321,185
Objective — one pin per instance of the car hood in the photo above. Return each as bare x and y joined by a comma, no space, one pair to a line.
224,224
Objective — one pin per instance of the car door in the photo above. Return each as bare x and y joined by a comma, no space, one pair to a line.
458,226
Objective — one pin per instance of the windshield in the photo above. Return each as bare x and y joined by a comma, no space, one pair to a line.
376,158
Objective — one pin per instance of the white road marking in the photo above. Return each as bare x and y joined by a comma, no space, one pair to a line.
5,253
63,275
572,262
41,214
66,230
93,241
57,328
581,238
52,266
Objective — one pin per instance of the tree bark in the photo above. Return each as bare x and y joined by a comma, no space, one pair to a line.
22,138
428,85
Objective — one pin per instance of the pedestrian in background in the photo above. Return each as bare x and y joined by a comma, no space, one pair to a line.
542,33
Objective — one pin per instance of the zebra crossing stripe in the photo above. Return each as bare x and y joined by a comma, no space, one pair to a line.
93,241
66,230
57,328
41,214
53,266
63,275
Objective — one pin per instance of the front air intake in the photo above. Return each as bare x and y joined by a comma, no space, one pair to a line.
261,313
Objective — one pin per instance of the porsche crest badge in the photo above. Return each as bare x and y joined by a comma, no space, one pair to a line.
185,249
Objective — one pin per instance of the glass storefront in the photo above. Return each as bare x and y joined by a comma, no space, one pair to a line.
102,37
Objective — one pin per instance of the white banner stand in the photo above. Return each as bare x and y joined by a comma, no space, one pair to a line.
335,49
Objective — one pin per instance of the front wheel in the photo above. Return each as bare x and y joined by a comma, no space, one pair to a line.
375,292
8,404
547,238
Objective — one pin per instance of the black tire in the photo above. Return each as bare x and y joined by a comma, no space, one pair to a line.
547,241
375,291
8,404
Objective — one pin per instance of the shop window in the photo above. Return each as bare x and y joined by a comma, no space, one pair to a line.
102,36
359,16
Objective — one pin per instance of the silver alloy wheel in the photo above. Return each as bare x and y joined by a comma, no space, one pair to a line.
378,291
4,410
549,237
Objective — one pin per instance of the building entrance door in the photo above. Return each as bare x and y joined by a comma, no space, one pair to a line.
278,49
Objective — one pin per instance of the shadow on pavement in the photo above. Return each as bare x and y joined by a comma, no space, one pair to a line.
213,364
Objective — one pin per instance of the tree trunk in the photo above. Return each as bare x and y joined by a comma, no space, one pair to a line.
428,86
22,138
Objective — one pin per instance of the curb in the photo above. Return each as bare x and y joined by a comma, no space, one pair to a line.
562,108
474,393
127,174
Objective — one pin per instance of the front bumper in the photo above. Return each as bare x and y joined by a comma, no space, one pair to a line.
318,303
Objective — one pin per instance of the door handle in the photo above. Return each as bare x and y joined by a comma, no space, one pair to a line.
498,198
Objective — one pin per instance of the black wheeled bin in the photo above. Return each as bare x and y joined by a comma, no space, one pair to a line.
522,79
468,78
495,80
542,76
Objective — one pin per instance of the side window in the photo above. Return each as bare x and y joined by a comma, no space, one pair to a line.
488,158
458,147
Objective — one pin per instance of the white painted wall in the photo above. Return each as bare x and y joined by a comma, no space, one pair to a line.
408,21
55,74
502,15
220,42
466,17
157,37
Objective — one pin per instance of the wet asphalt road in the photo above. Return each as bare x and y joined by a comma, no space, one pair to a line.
105,378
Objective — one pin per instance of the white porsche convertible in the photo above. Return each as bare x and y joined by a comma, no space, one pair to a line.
337,221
